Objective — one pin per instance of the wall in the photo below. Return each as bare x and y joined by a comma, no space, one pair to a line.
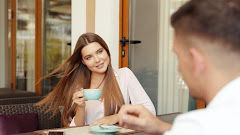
107,26
106,23
78,20
4,48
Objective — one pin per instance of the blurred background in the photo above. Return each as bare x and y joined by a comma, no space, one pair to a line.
36,36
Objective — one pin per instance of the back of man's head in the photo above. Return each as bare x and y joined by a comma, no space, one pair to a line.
215,21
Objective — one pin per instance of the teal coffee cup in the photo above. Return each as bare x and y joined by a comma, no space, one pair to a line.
92,94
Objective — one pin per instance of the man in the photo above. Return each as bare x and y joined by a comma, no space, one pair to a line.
207,44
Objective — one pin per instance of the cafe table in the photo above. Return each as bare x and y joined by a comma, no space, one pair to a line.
85,129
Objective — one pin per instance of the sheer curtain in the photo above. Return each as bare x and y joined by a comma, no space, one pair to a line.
173,94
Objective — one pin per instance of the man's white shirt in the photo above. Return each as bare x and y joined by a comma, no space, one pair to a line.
220,117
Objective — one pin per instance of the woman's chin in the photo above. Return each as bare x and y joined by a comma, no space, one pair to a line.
101,70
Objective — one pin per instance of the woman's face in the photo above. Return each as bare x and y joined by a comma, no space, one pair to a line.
95,57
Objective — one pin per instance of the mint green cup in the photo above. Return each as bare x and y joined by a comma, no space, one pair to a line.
92,94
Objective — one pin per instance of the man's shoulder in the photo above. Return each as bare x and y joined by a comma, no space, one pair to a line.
210,115
195,114
207,121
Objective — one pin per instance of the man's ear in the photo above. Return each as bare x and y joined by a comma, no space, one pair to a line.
198,61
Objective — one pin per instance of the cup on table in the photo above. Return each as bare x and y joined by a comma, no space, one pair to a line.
92,94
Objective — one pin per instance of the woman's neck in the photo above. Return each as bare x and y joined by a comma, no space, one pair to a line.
97,80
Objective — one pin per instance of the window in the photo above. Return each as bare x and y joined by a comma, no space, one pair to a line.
39,31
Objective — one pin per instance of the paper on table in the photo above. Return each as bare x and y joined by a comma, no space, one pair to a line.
83,131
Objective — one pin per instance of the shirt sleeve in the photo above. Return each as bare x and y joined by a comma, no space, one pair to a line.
137,94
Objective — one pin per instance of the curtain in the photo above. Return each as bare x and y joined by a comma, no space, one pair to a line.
173,94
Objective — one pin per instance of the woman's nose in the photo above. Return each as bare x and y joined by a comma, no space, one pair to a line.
97,59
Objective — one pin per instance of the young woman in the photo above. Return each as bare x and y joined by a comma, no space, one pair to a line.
90,67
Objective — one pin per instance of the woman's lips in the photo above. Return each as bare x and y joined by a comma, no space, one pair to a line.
100,65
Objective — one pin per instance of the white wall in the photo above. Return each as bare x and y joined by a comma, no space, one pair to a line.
107,26
106,23
78,20
4,48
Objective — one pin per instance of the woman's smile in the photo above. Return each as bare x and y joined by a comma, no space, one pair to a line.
100,65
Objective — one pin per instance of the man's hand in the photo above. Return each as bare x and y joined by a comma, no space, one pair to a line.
137,117
107,120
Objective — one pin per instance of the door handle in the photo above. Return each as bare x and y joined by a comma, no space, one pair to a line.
123,41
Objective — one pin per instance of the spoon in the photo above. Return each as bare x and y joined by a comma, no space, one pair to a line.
103,128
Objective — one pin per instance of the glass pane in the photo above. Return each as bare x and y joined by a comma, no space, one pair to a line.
56,34
143,57
153,61
25,45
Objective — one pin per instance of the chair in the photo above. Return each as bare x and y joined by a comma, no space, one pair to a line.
45,120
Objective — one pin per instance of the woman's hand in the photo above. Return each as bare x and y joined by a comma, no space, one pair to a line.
107,120
78,98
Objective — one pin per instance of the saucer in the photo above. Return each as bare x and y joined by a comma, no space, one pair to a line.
108,130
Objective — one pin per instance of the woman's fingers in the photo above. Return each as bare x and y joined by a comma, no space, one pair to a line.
99,122
78,98
107,120
94,124
78,94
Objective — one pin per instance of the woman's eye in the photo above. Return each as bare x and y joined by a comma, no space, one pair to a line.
88,58
100,51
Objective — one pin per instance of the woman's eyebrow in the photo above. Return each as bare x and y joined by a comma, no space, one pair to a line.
99,49
91,54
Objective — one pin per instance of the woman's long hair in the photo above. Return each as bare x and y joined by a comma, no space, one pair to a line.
75,73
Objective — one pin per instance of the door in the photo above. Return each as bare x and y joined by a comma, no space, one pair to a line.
152,61
141,44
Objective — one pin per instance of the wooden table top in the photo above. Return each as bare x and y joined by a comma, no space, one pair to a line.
165,117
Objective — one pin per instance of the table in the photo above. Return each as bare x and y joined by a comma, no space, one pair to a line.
165,117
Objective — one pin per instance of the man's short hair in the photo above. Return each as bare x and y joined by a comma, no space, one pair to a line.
212,19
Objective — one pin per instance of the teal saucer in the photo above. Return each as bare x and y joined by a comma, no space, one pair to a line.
108,130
